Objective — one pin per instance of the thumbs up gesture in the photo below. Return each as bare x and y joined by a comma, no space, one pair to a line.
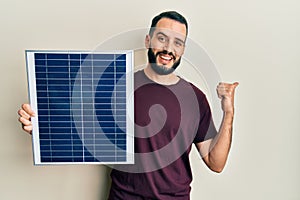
225,92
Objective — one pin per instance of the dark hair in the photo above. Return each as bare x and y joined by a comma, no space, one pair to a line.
170,15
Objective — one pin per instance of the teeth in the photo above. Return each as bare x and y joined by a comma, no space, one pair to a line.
166,58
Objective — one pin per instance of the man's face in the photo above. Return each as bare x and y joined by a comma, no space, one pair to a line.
166,46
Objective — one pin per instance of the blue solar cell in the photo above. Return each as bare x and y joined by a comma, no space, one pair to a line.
75,64
121,57
64,147
41,87
56,142
60,100
106,153
43,106
62,159
81,106
45,147
120,159
44,134
88,132
86,63
119,75
40,69
99,66
121,65
41,81
40,56
41,75
121,135
107,130
103,56
56,81
56,106
120,87
50,63
60,136
84,56
107,118
53,75
60,130
40,62
57,56
101,100
76,142
46,152
75,56
107,82
103,95
120,106
105,76
59,118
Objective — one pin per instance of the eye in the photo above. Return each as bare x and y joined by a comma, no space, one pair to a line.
161,38
178,43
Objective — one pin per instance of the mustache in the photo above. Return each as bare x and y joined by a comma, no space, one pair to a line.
166,52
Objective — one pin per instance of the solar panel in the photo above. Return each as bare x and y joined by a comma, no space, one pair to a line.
84,106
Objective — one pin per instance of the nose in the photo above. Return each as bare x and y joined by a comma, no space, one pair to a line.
168,47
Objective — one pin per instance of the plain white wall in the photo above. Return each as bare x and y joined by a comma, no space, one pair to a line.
254,42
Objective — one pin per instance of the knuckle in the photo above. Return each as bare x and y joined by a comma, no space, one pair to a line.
23,106
26,107
22,113
27,128
20,119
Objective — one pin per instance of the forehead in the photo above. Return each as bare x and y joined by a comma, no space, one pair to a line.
171,26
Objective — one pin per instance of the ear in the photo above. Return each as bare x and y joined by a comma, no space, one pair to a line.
147,41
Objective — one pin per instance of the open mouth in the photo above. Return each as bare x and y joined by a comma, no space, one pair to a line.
165,58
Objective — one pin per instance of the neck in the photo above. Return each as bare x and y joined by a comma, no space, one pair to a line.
169,79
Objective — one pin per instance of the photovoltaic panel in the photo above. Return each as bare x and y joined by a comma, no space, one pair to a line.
84,106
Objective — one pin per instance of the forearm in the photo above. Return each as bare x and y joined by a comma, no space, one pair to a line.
220,146
216,150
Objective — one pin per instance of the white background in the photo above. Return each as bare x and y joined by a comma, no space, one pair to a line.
254,42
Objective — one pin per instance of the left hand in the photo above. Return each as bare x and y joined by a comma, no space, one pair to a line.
226,94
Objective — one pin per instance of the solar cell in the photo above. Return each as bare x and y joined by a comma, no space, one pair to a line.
84,106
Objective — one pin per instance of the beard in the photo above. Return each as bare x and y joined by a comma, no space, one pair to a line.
161,69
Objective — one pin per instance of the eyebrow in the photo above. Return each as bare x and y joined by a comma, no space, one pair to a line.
168,36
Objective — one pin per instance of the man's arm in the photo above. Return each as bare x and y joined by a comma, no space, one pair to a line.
215,151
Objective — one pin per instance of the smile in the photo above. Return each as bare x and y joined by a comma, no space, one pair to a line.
168,58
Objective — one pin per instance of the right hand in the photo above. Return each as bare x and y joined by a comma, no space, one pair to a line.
25,117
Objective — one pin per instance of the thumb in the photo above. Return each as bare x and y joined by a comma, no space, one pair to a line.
235,84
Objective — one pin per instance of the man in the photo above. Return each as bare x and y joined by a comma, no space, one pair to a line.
186,118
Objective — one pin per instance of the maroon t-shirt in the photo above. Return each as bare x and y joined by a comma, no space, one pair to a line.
168,120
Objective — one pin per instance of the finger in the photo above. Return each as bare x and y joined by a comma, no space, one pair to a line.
218,93
224,87
24,121
27,108
24,114
227,86
235,84
28,129
225,92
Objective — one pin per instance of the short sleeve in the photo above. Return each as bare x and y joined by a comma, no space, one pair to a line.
206,128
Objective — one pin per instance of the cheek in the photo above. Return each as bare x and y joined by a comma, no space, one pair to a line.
156,45
177,57
155,50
